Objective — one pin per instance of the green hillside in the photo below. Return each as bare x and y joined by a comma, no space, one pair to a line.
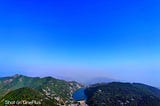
26,96
122,94
50,87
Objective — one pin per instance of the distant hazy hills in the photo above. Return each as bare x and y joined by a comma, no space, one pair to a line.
99,80
47,88
122,94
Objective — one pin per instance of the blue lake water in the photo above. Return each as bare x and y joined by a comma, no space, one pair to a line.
79,94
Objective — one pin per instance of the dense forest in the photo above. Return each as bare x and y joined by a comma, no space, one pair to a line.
122,94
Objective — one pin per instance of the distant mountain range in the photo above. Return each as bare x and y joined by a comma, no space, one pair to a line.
47,88
99,80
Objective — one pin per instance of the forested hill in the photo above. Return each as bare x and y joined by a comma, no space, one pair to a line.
59,90
122,94
27,97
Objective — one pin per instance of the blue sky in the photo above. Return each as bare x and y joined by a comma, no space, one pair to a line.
69,38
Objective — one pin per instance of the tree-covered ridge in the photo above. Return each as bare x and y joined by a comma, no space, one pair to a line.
52,88
122,94
26,97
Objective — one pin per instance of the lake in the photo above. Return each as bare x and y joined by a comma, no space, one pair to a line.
79,94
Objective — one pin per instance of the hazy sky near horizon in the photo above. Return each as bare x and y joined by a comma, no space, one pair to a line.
81,38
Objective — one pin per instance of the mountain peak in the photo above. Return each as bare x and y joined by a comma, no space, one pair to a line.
16,75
